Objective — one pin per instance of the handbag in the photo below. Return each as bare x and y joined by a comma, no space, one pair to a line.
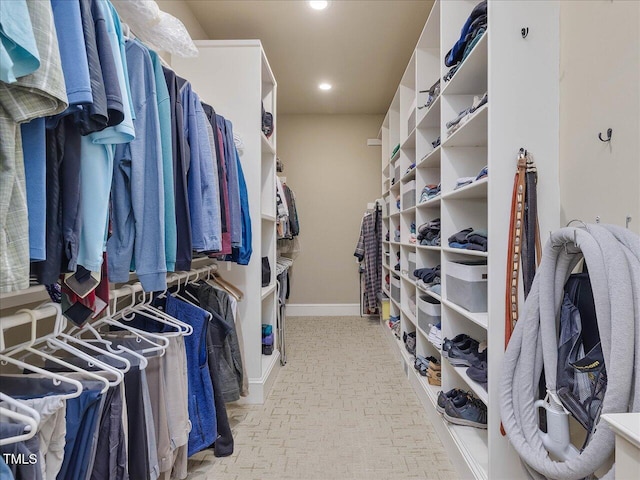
267,123
266,272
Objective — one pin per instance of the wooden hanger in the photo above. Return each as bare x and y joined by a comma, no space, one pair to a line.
228,287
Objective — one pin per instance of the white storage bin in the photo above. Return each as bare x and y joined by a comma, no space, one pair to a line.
412,264
409,195
395,288
467,284
429,312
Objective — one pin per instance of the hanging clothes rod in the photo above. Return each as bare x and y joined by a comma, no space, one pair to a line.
133,288
25,317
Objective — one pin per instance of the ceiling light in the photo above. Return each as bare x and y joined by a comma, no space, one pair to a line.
319,4
324,86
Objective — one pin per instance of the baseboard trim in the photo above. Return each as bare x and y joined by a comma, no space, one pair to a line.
260,388
323,309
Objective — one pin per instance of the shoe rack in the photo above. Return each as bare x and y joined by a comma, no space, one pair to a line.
521,75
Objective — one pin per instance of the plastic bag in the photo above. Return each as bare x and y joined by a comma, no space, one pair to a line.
159,30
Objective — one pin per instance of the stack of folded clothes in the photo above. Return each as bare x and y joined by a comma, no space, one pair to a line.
465,114
464,351
394,324
412,233
267,339
396,235
436,142
463,181
471,33
428,276
429,233
470,239
395,150
428,192
411,167
397,266
398,202
432,94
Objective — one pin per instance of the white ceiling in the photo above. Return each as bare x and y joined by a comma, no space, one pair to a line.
360,47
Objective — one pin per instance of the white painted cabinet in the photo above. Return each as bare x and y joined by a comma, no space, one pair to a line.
235,78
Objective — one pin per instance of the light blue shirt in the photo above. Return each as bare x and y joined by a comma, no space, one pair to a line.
97,157
18,51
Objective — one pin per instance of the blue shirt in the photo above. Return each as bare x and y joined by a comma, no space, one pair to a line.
35,162
204,198
137,194
73,54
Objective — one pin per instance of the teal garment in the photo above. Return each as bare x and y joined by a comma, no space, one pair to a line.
118,27
164,114
97,157
18,51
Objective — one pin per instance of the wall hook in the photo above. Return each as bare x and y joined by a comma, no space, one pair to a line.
524,32
627,221
598,219
608,139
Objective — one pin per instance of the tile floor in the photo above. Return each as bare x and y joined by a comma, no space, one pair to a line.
341,409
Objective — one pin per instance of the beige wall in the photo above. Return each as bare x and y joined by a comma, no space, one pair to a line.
334,174
181,10
600,89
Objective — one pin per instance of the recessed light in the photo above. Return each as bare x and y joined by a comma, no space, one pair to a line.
319,4
324,86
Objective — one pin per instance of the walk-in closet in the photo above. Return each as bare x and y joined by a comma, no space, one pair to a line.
319,240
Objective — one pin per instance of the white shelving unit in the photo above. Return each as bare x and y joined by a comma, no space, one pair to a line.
521,78
242,83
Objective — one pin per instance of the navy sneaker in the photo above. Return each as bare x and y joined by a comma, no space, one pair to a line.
457,340
473,413
459,357
478,373
455,395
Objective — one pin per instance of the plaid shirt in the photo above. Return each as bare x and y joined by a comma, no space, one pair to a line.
369,250
38,94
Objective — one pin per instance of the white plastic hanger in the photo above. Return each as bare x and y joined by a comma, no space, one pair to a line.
141,335
28,347
55,377
60,337
55,343
117,349
31,418
147,310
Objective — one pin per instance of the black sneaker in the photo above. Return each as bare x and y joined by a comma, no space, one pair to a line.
458,339
455,395
473,413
